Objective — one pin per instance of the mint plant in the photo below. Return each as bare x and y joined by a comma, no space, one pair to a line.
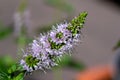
47,49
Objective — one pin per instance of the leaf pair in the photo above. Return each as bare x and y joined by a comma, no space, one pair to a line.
9,70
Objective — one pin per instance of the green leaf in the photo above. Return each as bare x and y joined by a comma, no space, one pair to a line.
5,63
3,75
10,70
19,77
16,72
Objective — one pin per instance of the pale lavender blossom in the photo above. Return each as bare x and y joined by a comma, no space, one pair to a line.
44,50
29,67
41,49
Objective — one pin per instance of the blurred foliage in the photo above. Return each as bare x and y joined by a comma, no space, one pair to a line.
7,67
117,45
69,62
66,61
60,4
5,31
22,6
5,62
22,40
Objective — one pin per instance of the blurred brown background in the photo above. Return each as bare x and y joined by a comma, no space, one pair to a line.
101,32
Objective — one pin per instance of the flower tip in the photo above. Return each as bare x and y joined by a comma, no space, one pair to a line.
83,14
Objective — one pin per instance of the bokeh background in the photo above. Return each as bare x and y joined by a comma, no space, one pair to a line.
100,34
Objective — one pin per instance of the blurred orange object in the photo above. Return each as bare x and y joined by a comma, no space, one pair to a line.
96,73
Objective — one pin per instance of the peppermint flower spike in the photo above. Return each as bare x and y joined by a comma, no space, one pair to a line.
80,20
46,51
76,25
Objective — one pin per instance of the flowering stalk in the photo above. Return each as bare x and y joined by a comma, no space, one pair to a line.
43,52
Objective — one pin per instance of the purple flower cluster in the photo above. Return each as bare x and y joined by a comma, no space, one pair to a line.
43,52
